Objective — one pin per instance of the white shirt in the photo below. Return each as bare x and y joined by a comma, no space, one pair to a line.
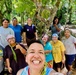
4,32
69,45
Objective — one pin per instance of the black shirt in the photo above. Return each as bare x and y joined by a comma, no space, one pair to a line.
30,31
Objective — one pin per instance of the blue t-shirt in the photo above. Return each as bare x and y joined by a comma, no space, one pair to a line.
25,71
49,56
30,31
17,30
54,30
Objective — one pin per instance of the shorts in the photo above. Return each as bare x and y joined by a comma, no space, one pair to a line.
70,59
29,40
57,65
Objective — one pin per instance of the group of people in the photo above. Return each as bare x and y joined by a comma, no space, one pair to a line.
42,56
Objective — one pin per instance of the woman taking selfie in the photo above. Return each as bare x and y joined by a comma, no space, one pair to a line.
36,61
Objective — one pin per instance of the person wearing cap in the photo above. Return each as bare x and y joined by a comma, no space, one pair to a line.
58,52
14,55
69,42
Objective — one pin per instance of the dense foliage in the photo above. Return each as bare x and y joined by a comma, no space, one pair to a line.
41,11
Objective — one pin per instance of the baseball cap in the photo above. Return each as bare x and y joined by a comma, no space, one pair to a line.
55,35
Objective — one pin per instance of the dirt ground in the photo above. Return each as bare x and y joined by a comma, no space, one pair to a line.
73,72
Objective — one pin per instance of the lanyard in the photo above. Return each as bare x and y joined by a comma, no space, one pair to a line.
14,54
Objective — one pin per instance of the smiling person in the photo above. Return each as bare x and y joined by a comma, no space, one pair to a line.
17,30
36,61
69,42
4,32
56,27
14,55
48,50
29,32
58,52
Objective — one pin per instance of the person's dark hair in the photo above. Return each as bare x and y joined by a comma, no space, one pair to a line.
68,30
55,19
14,18
35,41
5,19
29,18
44,35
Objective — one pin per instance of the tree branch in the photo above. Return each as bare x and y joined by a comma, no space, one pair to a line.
57,3
52,12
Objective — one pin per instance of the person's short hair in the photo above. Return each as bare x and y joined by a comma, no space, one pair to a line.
29,18
14,18
35,41
68,30
5,19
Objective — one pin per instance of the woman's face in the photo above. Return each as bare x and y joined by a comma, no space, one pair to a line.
35,56
45,38
11,40
5,23
15,22
29,21
54,39
56,20
67,33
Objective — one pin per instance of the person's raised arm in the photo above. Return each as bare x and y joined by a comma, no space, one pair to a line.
23,51
24,37
57,28
36,35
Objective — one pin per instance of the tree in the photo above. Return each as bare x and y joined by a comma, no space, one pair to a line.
5,9
45,8
24,9
67,11
38,9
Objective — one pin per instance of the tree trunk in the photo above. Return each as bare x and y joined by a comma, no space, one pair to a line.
70,12
1,17
22,18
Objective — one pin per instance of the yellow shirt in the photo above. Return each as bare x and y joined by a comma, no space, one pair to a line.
58,48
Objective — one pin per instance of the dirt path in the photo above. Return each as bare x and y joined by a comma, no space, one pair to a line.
74,72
